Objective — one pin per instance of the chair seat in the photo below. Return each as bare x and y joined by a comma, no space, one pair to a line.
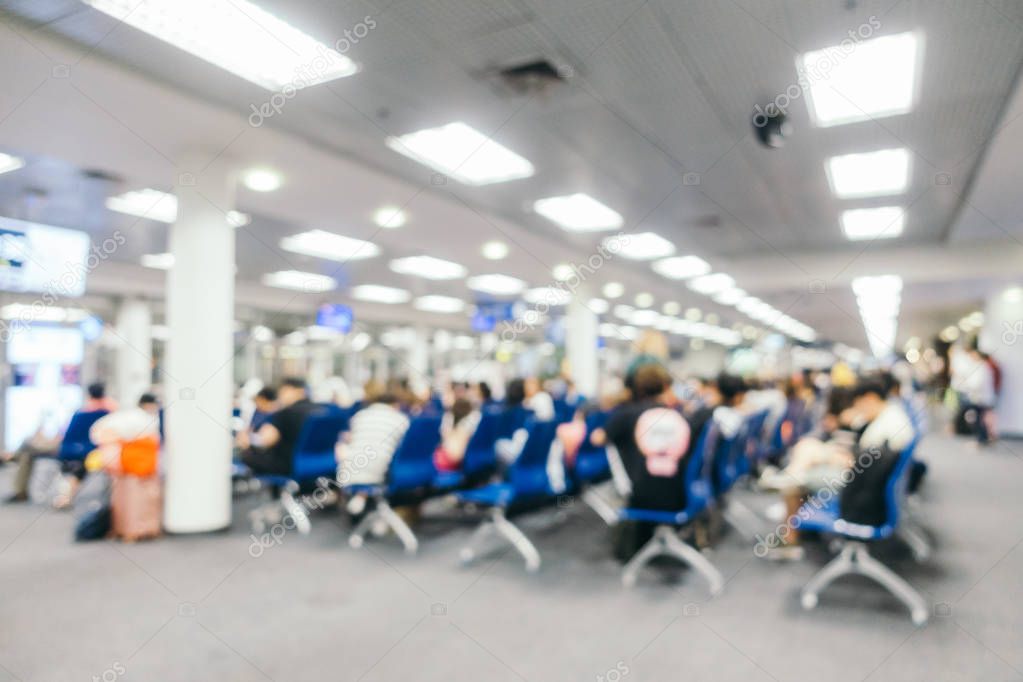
370,489
827,520
445,480
671,518
591,466
493,495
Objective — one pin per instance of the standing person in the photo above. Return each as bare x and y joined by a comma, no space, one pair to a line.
973,378
271,449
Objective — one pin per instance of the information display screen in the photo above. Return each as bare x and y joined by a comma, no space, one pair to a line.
43,259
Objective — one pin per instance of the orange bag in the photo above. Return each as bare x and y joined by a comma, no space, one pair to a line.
139,457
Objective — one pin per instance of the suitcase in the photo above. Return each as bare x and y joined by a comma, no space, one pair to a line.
136,507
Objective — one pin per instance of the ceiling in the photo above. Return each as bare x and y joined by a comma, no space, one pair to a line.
658,89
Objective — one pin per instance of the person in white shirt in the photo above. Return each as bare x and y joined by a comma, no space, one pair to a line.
820,469
973,377
364,456
538,400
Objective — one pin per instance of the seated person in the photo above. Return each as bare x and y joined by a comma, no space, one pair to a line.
364,454
39,444
652,441
538,400
266,405
148,403
97,399
127,441
511,434
569,438
871,423
271,449
456,429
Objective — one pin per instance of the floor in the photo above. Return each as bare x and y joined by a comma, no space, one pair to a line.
217,607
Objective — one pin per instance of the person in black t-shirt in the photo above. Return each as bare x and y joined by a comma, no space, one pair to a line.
271,449
660,485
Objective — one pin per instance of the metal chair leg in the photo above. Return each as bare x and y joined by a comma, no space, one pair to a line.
913,536
695,558
655,547
842,564
358,536
478,542
856,558
295,509
398,525
595,501
887,578
517,538
666,543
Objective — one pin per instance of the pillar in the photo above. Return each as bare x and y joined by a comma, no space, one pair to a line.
581,345
135,350
200,351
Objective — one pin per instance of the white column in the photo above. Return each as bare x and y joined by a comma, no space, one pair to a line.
200,349
1002,337
418,358
135,350
581,345
321,363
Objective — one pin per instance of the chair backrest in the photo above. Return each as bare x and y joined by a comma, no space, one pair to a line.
697,479
314,450
511,420
563,410
730,458
76,443
528,474
594,421
754,426
895,486
480,453
412,465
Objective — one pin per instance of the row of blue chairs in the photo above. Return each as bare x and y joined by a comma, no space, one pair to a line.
716,465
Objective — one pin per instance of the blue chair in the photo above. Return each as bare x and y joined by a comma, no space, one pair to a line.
480,461
592,468
410,478
526,484
855,557
665,541
313,462
76,444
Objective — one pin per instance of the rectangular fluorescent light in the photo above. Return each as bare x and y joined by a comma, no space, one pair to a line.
159,261
296,280
730,296
496,285
463,153
161,206
439,304
884,222
428,267
551,296
579,213
642,246
857,81
879,299
872,174
711,284
375,293
323,244
237,36
10,163
681,267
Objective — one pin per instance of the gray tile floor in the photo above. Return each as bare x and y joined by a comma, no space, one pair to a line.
310,608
